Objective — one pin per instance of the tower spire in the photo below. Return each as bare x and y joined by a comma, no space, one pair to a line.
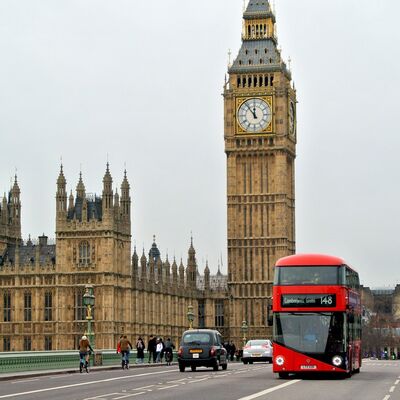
80,188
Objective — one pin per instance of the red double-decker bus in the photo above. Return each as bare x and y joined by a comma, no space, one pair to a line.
316,315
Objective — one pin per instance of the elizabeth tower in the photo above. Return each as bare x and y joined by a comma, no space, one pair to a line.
260,145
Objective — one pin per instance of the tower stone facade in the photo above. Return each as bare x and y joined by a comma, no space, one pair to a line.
260,146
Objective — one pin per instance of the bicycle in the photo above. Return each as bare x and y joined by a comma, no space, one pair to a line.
168,356
83,364
125,360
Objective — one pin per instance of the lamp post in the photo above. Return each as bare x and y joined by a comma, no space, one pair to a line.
244,328
190,316
88,302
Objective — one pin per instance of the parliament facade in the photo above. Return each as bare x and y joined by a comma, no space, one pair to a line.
42,284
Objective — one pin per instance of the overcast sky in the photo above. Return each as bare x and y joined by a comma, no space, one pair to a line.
140,83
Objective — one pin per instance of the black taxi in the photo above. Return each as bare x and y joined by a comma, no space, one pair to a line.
202,348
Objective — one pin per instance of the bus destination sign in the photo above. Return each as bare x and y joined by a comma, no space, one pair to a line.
308,300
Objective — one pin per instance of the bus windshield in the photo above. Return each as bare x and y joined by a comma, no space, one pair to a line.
310,332
303,275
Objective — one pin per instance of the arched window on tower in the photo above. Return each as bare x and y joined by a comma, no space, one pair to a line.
84,253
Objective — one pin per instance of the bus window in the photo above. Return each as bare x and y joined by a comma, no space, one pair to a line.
315,275
309,332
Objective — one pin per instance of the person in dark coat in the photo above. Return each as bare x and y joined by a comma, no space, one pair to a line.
140,347
151,349
232,350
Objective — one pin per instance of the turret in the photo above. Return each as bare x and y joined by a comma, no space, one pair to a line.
116,206
135,264
181,274
15,211
143,267
151,270
61,195
174,273
4,211
71,202
191,266
167,271
107,192
206,277
80,188
125,199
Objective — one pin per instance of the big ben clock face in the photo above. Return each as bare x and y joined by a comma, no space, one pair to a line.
254,115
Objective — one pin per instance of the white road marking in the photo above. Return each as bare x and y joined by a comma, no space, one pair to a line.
177,380
126,377
100,397
198,380
167,387
25,380
397,382
128,395
387,397
143,387
270,390
391,390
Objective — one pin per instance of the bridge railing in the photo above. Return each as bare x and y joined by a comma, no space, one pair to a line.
18,361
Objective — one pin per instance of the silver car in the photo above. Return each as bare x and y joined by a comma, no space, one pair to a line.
257,350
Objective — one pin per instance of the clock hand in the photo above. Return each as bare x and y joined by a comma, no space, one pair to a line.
253,111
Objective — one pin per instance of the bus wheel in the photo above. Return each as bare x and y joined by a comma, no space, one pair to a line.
283,375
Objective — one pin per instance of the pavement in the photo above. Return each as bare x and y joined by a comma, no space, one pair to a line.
36,373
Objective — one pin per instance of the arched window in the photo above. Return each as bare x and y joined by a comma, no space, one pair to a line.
84,253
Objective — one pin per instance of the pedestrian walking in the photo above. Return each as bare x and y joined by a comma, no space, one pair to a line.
232,350
126,347
159,349
168,349
151,349
140,347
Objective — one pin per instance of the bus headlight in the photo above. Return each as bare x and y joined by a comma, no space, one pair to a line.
279,360
337,360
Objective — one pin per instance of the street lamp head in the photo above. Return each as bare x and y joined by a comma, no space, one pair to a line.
190,314
244,326
88,297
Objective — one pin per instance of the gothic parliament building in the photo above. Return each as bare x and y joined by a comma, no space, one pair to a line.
42,284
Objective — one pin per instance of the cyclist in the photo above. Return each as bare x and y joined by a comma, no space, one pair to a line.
168,351
126,347
85,349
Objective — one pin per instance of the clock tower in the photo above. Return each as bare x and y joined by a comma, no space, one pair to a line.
260,145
